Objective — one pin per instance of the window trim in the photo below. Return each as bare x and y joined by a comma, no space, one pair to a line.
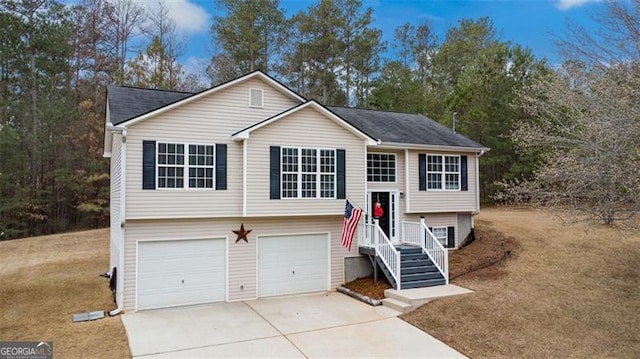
318,173
443,173
395,162
185,167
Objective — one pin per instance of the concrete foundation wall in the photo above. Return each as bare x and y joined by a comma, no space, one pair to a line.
357,267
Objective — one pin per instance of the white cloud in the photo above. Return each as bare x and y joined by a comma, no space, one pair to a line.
569,4
188,16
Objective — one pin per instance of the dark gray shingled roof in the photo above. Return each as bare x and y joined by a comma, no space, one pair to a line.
406,128
126,103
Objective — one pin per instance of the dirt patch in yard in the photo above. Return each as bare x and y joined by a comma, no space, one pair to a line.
570,291
487,251
45,280
366,286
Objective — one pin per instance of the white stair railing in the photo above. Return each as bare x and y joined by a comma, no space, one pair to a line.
365,234
387,252
418,234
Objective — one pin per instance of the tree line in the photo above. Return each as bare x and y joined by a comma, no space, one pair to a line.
56,60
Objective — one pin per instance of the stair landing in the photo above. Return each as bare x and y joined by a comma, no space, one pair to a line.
407,300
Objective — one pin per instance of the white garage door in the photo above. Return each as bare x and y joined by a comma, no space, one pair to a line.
292,264
172,273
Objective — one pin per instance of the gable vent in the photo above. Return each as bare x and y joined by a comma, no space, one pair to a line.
255,98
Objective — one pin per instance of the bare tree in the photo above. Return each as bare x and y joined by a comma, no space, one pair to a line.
157,65
587,128
616,40
127,17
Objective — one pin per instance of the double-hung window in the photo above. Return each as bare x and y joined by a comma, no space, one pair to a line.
441,234
381,167
308,172
193,169
443,172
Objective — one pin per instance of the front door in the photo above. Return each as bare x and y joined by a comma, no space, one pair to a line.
388,202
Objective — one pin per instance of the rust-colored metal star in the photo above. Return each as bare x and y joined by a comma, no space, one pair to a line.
242,233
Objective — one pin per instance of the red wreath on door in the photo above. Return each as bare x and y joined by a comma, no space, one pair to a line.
377,210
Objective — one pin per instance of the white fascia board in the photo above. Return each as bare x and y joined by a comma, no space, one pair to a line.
212,90
242,135
108,135
109,129
410,146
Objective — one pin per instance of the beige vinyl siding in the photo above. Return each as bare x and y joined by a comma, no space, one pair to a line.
437,220
114,214
242,262
307,129
209,120
441,200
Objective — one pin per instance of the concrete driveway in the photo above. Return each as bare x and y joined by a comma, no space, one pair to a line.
312,326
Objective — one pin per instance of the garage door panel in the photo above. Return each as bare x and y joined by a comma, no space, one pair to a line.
181,272
292,264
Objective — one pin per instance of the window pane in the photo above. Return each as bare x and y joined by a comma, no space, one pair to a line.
201,166
308,186
289,185
452,172
381,167
441,234
327,186
434,181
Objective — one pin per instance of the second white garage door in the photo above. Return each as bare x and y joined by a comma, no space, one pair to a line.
292,264
172,273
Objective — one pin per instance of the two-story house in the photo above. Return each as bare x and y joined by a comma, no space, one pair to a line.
239,191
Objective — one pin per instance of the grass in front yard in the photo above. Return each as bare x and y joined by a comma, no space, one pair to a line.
45,280
569,291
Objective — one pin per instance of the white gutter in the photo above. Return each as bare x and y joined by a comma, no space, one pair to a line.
412,146
123,189
116,129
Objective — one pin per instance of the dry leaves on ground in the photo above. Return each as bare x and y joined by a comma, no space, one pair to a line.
45,280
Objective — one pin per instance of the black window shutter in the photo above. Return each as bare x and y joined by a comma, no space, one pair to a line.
464,176
341,191
148,164
274,172
221,166
422,172
451,237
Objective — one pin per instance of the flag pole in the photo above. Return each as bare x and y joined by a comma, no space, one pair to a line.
357,204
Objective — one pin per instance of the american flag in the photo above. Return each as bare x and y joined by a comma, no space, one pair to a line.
351,218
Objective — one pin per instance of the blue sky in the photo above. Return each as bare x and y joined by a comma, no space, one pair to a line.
530,23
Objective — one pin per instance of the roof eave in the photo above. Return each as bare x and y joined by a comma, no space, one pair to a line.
417,146
244,134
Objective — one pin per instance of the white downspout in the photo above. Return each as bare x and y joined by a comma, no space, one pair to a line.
122,219
244,176
366,186
407,202
478,182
